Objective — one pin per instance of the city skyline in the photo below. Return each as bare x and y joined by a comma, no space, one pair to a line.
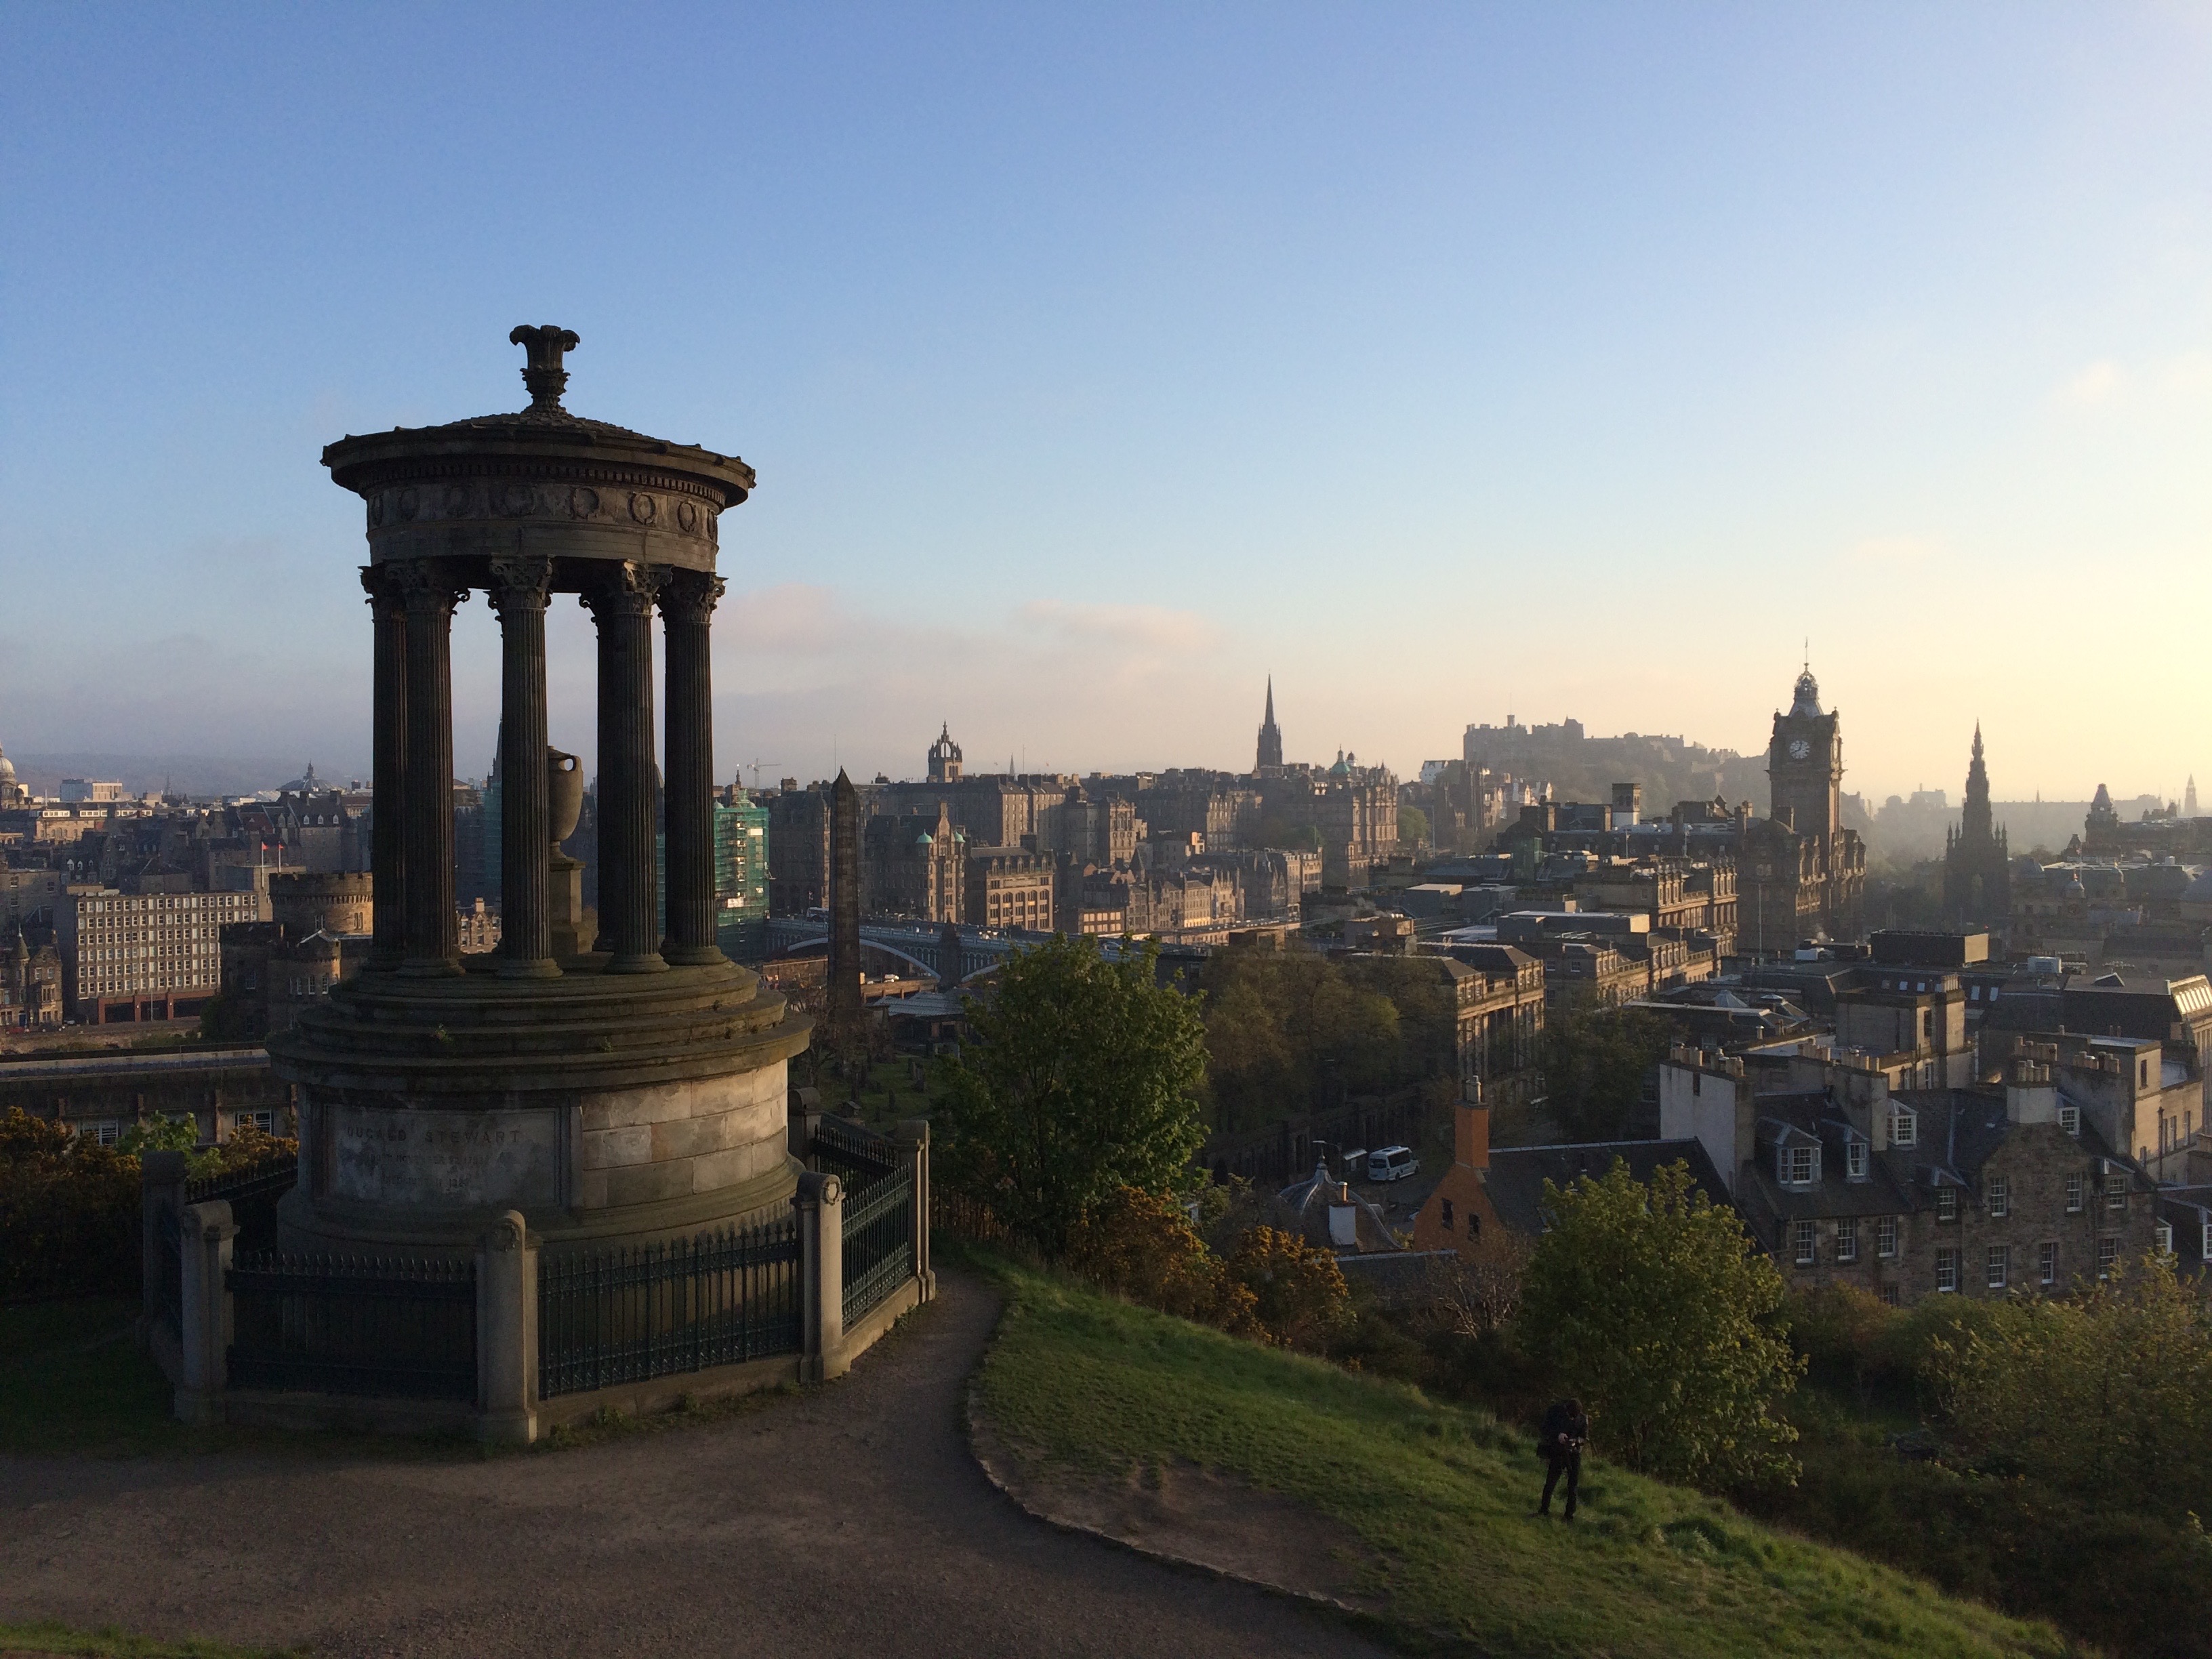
1574,366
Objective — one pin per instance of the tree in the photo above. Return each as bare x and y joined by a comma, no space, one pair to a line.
2105,1395
1650,1303
1595,1063
1082,1077
1412,826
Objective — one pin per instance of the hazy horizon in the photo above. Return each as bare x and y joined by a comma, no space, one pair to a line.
1441,363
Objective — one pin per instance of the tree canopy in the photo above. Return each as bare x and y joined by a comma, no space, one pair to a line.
1082,1077
1649,1302
2106,1394
1595,1063
1292,1032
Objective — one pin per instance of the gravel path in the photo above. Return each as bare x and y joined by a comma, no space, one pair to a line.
850,1520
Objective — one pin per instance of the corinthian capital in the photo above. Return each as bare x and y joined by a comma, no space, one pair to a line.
690,596
426,585
520,584
627,589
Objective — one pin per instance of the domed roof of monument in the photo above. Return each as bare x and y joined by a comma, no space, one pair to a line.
545,428
7,769
1807,700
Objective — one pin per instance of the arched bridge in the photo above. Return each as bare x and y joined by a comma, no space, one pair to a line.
917,945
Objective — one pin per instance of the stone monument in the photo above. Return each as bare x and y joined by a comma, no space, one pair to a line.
615,1087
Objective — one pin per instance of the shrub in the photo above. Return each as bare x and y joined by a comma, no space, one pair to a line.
1141,1245
69,1214
1299,1291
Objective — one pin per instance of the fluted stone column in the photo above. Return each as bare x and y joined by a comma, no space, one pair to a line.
388,815
432,947
621,604
687,610
519,588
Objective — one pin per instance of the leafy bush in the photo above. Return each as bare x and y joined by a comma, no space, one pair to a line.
1298,1290
69,1214
1141,1245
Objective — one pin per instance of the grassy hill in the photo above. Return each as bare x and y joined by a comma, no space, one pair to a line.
1440,1496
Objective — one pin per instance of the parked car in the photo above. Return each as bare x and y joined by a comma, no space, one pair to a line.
1392,1163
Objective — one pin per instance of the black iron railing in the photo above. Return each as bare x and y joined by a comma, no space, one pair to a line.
638,1311
400,1327
252,1192
878,1241
852,1151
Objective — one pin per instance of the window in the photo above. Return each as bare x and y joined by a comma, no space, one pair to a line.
1885,1237
2046,1262
1947,1270
2108,1252
2165,1237
2000,1265
2116,1192
2000,1191
2070,1119
1903,1129
2204,1244
1802,1246
1447,1215
1801,1164
2074,1194
1847,1239
1947,1203
1855,1159
264,1121
1889,1295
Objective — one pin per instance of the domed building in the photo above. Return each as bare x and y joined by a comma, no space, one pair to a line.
12,793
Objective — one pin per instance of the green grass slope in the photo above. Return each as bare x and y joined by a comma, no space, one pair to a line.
1442,1495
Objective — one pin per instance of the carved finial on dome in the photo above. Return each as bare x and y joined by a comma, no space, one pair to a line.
544,374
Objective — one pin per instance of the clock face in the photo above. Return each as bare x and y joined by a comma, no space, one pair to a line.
1799,749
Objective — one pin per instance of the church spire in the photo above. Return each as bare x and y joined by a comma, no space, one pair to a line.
1271,738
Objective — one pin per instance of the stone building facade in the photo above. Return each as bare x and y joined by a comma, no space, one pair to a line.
1980,1192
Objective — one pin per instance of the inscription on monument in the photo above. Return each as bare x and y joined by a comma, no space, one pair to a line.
445,1160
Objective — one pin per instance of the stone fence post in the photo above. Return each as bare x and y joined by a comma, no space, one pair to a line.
205,1233
820,1202
912,1141
161,1195
506,1332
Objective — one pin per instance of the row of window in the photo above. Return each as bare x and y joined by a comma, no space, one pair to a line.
1996,1262
1805,1240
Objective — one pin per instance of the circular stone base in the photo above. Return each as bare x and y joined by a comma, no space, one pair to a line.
605,1107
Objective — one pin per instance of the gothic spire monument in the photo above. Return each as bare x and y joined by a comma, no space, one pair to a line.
1977,856
630,1088
1270,736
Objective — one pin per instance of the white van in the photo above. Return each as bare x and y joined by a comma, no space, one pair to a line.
1392,1163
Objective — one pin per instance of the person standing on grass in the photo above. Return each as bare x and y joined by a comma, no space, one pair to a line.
1561,1440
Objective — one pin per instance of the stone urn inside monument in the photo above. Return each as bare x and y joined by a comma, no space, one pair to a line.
611,1079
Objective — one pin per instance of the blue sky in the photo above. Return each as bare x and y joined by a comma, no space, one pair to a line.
1096,363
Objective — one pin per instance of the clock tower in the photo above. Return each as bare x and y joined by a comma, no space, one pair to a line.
1805,763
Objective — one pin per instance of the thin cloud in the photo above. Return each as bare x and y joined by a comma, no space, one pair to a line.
1143,627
